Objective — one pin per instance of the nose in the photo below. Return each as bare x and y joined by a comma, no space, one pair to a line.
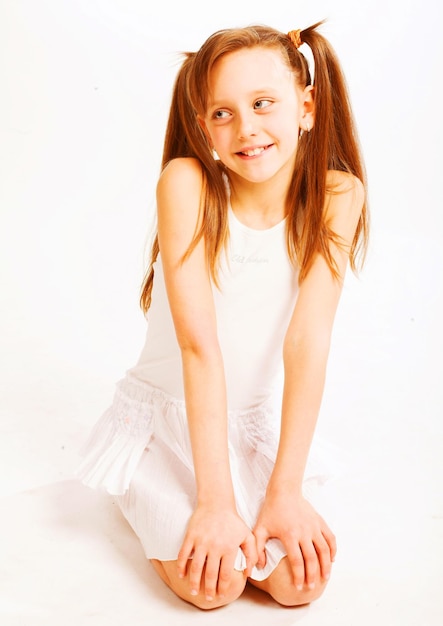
246,124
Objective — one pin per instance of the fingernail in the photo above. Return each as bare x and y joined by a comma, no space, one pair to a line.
194,592
311,585
299,587
209,598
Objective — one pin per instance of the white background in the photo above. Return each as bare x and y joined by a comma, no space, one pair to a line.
84,95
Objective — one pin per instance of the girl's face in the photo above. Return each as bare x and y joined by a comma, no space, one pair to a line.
254,114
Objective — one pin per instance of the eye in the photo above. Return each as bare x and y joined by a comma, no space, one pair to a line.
262,104
220,114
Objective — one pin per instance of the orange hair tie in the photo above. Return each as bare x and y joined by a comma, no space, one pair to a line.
295,37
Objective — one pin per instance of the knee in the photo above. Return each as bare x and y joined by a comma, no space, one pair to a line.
280,586
236,589
167,571
287,594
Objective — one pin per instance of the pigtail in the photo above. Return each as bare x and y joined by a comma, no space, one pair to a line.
185,138
331,145
175,145
182,124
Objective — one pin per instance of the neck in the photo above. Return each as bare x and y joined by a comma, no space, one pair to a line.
258,205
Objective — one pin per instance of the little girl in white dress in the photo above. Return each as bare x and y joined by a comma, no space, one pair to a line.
264,303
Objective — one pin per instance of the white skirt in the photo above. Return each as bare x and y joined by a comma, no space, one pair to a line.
140,451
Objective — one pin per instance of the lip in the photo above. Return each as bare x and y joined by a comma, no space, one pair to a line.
253,152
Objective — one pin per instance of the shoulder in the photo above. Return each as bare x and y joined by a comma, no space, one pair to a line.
344,191
180,174
345,199
179,191
342,181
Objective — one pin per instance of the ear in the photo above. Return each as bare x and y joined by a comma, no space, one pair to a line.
307,119
202,124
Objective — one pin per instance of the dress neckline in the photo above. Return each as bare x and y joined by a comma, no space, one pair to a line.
279,226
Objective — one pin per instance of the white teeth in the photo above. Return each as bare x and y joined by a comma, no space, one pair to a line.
253,152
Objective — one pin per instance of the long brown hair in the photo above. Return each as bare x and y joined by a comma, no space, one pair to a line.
331,145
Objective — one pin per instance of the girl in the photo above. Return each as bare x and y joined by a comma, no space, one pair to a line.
261,205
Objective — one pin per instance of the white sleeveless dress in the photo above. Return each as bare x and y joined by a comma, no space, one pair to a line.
140,449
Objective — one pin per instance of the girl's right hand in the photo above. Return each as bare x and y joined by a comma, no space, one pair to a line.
210,548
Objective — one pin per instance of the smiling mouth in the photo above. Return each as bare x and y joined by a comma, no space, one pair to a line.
254,152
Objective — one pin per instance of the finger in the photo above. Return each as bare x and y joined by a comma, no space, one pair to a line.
249,548
261,537
211,575
195,571
311,563
331,541
225,575
330,537
297,565
183,557
324,556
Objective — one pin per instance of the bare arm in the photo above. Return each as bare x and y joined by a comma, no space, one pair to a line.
309,541
191,303
215,531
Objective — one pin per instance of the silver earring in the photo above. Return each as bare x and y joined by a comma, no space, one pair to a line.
308,128
215,155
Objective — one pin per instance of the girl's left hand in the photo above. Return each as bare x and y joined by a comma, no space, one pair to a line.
308,540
